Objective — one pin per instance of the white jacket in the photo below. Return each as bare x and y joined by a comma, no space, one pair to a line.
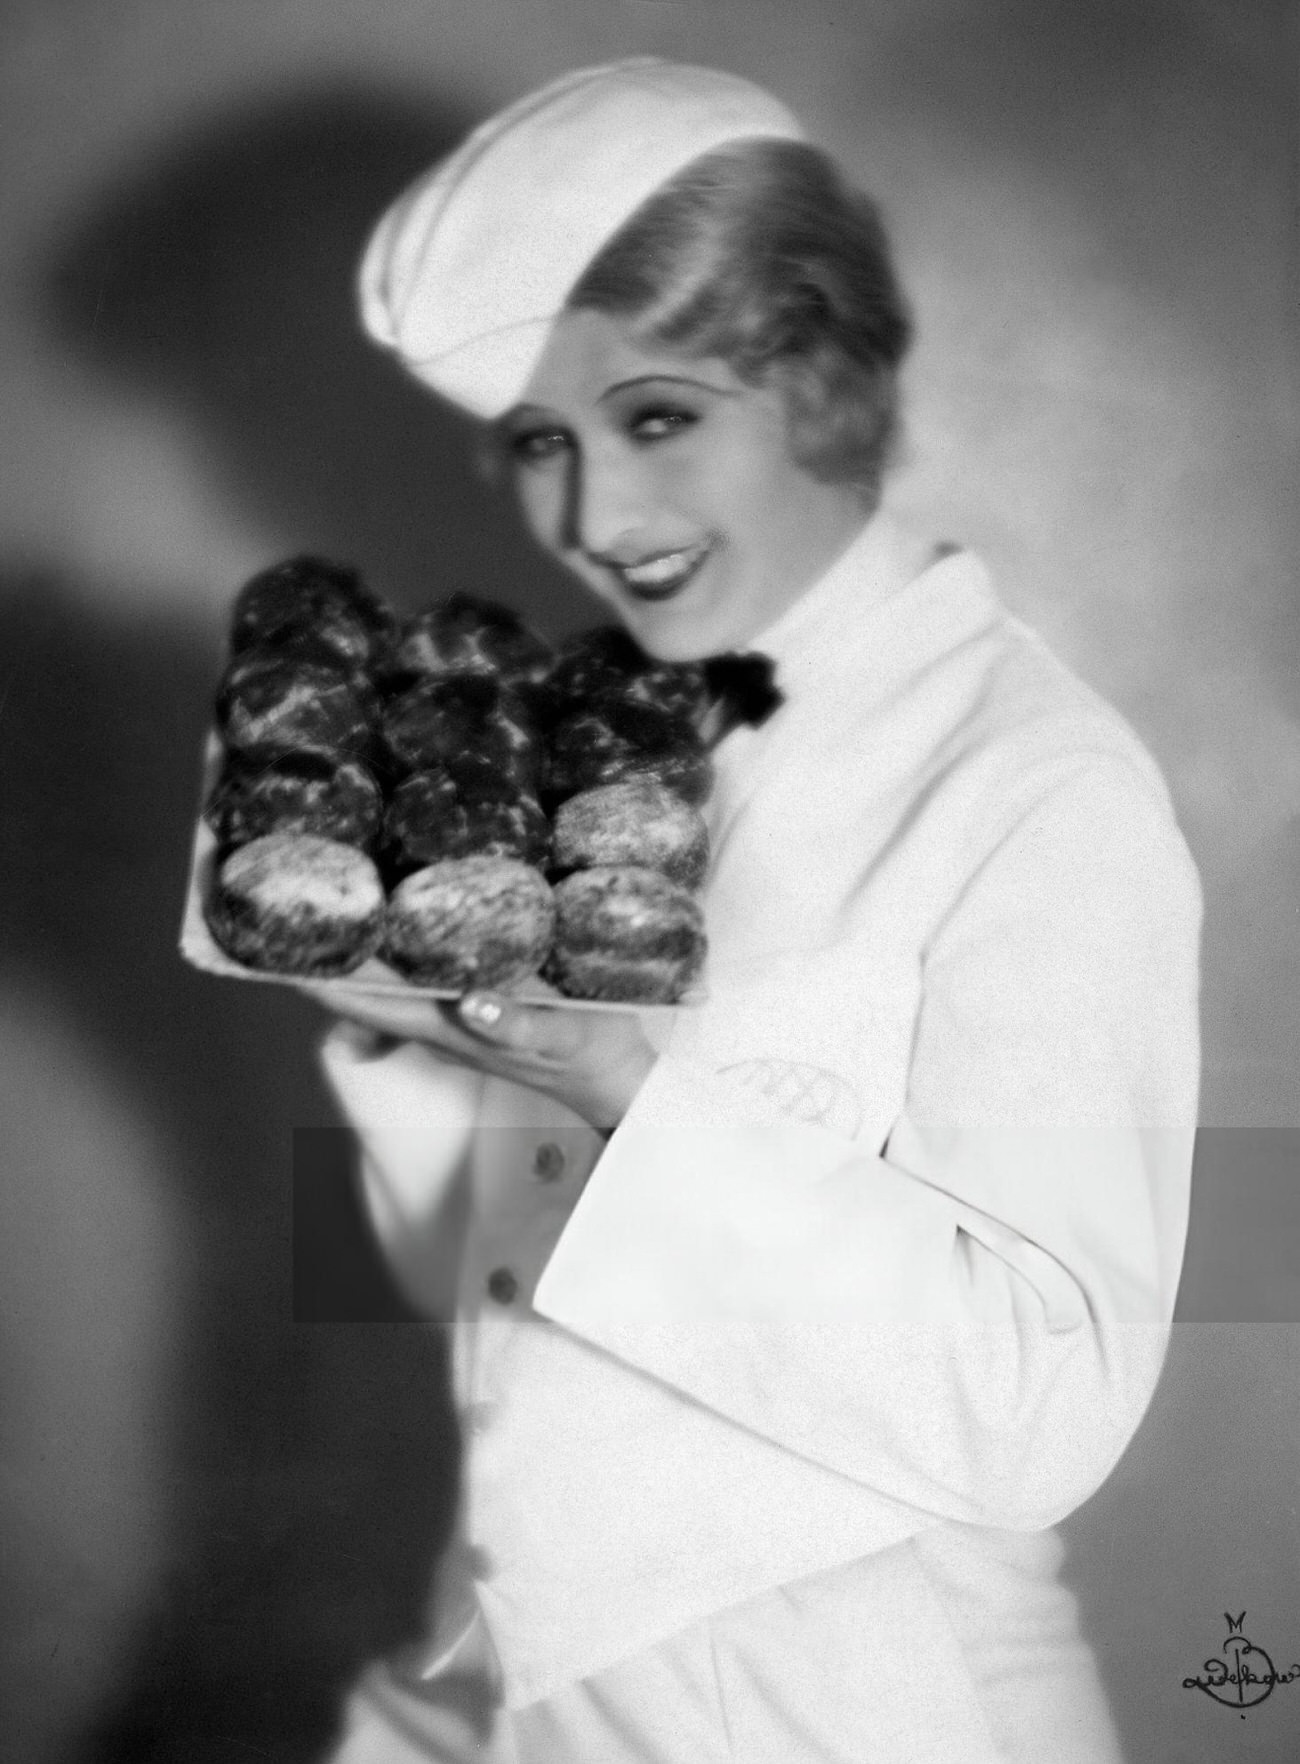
890,1238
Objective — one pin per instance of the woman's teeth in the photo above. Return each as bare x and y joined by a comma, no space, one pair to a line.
664,574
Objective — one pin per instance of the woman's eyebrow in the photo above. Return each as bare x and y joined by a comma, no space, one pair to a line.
668,380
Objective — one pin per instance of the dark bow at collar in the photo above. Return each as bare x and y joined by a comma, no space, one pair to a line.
742,689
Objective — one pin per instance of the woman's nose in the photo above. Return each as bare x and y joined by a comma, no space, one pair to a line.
607,505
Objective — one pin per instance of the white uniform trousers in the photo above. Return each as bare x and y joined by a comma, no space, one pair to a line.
934,1652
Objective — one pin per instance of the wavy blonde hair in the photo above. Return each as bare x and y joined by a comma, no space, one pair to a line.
762,255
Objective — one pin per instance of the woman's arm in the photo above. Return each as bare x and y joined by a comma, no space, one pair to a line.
973,1320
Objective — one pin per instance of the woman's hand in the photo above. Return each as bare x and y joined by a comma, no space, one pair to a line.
592,1061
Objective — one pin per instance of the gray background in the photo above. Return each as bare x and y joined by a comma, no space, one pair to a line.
213,1511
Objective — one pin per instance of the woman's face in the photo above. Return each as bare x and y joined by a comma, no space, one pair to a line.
667,486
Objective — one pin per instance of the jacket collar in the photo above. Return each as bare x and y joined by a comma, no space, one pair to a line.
884,601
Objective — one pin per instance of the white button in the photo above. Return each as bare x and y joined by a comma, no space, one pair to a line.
548,1163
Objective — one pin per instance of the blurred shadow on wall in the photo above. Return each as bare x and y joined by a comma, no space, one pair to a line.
314,1461
221,278
307,1470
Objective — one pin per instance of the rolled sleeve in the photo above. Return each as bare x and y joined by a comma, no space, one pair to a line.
972,1319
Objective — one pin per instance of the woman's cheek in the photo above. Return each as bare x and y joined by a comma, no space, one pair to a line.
681,470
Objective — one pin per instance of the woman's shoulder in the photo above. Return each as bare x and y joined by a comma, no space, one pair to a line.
1026,716
1027,755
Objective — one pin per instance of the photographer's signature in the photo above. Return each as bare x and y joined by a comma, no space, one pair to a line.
1242,1674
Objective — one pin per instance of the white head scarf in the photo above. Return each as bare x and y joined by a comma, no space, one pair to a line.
468,270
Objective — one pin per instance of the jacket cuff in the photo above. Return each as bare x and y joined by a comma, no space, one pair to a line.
710,1202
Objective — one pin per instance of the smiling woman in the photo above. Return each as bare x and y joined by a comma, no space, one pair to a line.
719,399
786,1328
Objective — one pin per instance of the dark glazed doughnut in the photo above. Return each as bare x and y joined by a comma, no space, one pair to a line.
616,738
309,598
463,635
440,721
466,922
304,651
608,661
300,793
272,704
291,903
636,822
463,809
625,935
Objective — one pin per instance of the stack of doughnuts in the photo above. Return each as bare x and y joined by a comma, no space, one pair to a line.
464,836
627,925
624,771
451,794
297,808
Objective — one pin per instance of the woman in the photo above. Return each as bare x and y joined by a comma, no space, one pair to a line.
786,1334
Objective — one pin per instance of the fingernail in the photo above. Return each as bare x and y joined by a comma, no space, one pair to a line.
481,1009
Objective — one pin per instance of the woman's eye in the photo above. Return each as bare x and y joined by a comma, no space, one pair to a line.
660,421
534,446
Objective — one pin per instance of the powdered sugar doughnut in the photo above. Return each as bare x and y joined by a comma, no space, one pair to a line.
467,922
638,821
625,934
293,903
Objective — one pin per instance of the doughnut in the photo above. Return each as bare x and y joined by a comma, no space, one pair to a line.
292,903
465,808
608,661
615,738
298,793
273,704
466,922
306,597
636,822
443,719
302,650
626,935
463,635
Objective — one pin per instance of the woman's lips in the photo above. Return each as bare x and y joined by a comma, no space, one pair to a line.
662,576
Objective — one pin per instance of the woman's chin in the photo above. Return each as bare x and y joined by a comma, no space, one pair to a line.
671,632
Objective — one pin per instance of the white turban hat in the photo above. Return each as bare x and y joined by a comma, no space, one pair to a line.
467,271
